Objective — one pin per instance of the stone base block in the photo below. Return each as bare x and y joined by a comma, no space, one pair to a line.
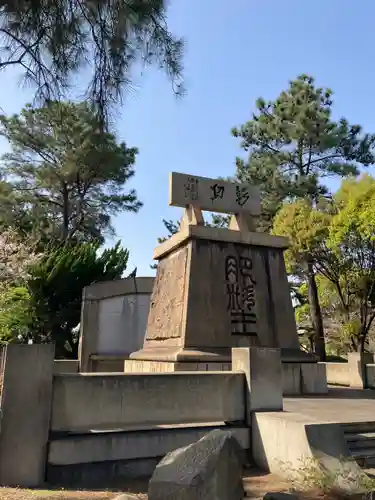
357,368
107,364
314,378
298,378
291,379
143,366
304,378
263,371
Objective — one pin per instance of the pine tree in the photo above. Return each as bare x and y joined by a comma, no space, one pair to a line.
65,174
52,41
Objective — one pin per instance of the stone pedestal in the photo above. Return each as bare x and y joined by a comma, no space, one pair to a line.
216,289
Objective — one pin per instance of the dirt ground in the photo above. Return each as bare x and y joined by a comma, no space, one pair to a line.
138,490
256,484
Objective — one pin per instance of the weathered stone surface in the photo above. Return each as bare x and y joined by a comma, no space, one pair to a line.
214,195
208,469
168,297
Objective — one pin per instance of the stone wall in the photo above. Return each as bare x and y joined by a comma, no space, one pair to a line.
358,372
84,402
84,426
337,373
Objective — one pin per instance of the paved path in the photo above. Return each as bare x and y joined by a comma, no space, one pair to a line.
340,405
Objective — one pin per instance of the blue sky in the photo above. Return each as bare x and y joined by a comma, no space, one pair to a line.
236,51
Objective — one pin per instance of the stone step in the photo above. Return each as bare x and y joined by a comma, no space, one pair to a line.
365,457
360,440
358,436
358,427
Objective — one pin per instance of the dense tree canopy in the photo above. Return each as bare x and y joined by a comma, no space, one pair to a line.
352,241
65,175
293,145
52,42
338,239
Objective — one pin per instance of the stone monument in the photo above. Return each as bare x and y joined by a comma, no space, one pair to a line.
217,288
113,322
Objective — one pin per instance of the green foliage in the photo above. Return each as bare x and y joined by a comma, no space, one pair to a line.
53,42
352,241
338,240
65,176
55,286
293,143
220,220
356,218
302,308
306,229
15,314
172,227
337,482
337,326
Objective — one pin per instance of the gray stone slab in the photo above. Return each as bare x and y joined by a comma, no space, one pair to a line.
314,378
136,444
214,195
357,368
25,414
112,401
263,371
291,379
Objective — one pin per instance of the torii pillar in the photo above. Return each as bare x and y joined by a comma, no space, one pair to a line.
217,288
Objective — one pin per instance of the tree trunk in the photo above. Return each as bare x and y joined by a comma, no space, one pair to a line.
316,313
362,335
65,231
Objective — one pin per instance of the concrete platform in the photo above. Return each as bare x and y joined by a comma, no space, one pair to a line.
340,405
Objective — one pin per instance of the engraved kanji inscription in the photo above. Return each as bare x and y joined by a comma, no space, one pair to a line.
240,284
217,191
242,195
191,189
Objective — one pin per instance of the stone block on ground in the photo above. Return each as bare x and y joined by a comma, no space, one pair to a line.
357,368
208,469
314,378
291,378
263,371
